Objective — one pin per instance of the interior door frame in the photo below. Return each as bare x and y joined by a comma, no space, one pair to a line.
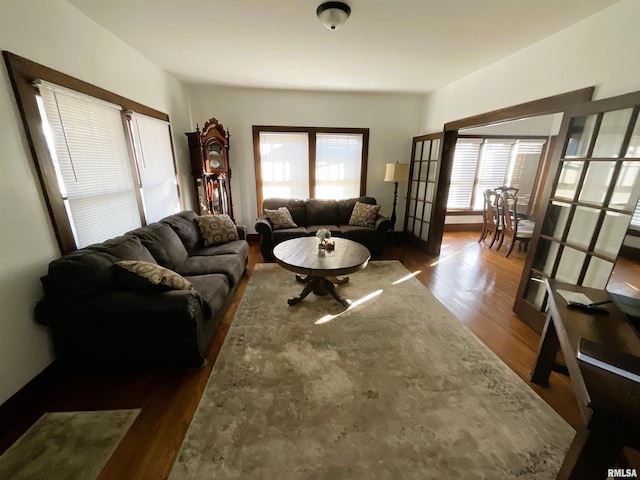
525,310
543,106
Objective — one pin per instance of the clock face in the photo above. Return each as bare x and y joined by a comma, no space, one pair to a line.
214,156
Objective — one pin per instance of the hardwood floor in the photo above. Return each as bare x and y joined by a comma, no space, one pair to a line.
476,283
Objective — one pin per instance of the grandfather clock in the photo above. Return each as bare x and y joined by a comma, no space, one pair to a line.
209,153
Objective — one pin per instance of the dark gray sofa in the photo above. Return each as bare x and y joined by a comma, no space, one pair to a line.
95,319
312,214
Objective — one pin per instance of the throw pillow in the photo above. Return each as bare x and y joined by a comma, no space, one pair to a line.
281,218
364,215
147,277
217,229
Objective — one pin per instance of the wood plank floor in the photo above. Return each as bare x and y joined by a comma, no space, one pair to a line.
476,283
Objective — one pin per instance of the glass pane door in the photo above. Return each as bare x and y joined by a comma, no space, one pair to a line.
421,191
587,208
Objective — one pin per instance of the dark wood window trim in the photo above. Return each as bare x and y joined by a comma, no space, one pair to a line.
23,73
312,132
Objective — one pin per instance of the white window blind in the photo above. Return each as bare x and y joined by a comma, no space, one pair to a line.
522,172
494,160
635,220
284,161
154,157
338,161
90,150
465,160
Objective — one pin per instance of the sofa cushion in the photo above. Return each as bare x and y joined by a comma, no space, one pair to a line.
280,218
238,247
217,229
88,271
289,233
364,215
147,277
345,208
163,243
185,224
125,247
232,266
297,208
213,289
322,212
313,229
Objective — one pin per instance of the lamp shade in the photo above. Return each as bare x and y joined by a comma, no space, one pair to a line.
396,172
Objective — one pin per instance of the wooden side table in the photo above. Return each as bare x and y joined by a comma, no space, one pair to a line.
564,328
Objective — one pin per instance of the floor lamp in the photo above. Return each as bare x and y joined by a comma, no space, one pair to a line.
396,172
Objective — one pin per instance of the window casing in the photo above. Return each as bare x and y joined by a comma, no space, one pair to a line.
87,154
309,162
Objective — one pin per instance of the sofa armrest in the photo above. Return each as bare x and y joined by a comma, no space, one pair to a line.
383,224
242,232
122,327
264,226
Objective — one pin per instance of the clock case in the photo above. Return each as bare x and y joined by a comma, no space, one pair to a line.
209,154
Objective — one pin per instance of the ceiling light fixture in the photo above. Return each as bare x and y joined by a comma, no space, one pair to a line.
333,14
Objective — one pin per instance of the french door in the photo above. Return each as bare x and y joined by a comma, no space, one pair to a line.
587,207
421,193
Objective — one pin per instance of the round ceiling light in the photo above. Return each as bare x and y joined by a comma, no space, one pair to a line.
333,14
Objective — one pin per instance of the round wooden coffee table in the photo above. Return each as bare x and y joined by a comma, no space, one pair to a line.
321,269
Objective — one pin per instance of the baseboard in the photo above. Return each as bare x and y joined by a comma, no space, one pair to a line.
630,252
253,237
462,227
23,399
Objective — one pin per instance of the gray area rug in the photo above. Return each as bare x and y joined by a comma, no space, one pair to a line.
393,388
66,445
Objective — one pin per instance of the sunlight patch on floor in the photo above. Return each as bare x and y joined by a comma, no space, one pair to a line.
440,260
329,317
407,277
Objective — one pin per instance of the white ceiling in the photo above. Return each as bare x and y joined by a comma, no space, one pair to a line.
385,46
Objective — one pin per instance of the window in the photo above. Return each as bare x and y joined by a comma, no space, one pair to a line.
154,158
105,163
480,163
301,162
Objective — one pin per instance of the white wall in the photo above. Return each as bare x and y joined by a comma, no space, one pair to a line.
55,34
392,119
601,51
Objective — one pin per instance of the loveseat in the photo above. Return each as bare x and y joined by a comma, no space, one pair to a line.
104,309
312,214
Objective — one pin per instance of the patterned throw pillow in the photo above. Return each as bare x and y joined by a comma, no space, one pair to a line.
364,215
147,277
217,229
281,218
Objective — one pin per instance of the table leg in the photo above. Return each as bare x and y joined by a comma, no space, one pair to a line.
330,287
338,281
320,286
308,288
547,351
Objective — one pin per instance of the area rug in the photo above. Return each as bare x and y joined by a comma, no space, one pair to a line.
395,387
66,445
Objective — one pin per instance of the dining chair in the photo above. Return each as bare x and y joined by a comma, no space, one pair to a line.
504,188
512,228
491,217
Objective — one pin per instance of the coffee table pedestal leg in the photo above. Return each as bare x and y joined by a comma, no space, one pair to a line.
320,286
